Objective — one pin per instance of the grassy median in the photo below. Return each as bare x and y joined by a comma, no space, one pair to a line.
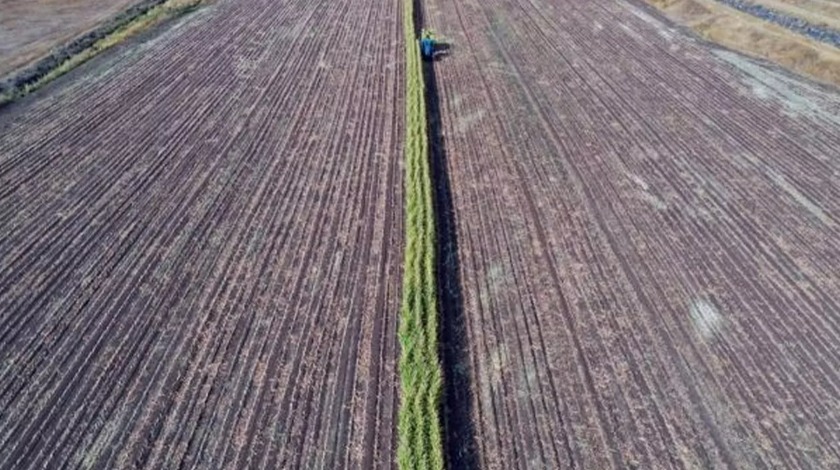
421,377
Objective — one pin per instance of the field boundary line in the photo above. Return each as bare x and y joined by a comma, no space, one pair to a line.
420,439
131,22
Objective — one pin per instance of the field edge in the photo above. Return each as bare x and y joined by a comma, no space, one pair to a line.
33,78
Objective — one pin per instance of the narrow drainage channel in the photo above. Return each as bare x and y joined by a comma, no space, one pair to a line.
457,401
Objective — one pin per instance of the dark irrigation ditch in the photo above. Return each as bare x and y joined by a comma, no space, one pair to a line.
798,25
457,401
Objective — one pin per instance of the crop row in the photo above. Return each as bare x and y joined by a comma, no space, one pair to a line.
184,280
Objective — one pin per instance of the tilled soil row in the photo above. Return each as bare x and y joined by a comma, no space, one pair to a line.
202,247
646,228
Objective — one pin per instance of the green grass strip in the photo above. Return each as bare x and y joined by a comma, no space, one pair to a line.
421,378
166,10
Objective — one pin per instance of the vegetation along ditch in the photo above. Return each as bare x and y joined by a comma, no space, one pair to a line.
421,377
435,429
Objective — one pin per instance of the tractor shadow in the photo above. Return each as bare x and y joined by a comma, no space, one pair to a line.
457,401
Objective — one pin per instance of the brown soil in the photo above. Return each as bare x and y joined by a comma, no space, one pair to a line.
754,36
29,29
201,247
648,230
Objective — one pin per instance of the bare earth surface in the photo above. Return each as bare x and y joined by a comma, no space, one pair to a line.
648,243
201,247
29,29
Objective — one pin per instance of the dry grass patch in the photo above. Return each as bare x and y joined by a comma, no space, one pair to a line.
756,37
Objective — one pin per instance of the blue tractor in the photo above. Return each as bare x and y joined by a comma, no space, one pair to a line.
430,46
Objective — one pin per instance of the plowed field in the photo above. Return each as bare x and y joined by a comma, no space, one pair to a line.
647,245
201,247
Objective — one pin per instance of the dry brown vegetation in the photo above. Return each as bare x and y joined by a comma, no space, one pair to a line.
745,33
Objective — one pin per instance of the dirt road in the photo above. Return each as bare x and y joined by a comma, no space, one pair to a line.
201,247
642,267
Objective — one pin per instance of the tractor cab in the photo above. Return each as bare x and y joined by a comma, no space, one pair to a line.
430,44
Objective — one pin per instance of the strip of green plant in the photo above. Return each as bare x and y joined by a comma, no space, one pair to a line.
167,10
421,378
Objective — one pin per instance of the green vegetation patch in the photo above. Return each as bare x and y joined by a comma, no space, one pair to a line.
421,377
